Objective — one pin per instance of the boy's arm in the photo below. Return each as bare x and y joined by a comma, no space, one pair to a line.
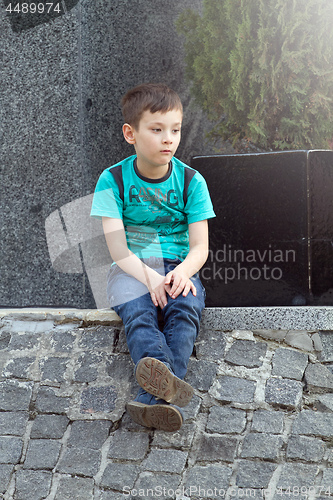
116,241
195,259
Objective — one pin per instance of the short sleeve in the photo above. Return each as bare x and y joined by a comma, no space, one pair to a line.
106,200
199,205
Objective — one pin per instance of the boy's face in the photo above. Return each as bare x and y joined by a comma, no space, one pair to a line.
156,141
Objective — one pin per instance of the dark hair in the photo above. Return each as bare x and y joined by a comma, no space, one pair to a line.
151,97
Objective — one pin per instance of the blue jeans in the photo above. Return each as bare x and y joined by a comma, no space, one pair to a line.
181,317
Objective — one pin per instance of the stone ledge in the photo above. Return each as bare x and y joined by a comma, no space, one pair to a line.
62,315
311,318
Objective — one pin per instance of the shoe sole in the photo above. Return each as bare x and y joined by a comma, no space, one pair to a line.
155,378
162,417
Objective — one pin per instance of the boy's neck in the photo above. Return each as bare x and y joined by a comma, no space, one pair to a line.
153,172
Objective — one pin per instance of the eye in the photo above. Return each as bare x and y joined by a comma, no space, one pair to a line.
156,130
176,130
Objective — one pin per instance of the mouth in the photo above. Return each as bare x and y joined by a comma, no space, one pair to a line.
166,151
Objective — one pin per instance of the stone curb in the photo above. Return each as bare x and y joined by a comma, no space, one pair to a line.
62,315
309,319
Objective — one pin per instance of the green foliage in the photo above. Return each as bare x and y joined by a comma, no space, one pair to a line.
263,70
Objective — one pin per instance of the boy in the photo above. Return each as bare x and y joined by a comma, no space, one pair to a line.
154,211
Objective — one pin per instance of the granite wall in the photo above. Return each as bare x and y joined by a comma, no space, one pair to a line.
62,76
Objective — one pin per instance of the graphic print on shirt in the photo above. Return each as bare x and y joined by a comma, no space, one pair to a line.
155,201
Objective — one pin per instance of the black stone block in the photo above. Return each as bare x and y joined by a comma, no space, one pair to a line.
271,242
321,226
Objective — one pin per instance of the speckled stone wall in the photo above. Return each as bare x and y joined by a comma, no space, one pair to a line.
62,76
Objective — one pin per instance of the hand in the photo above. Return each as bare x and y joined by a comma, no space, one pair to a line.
158,290
178,281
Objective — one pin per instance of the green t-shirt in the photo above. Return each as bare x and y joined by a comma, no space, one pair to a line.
155,212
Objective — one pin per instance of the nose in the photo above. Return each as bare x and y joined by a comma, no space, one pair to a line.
167,139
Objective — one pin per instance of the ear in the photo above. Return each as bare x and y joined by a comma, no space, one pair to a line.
128,132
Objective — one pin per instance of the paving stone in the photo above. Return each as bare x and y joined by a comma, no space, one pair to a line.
127,424
317,343
32,485
18,368
327,343
202,480
192,409
63,341
330,457
99,337
327,482
299,339
15,395
330,367
87,371
165,461
22,327
288,363
5,475
75,488
261,445
226,420
96,399
42,454
48,402
82,461
23,341
43,326
318,376
201,374
309,422
215,447
160,485
4,340
267,421
112,495
242,334
129,445
49,426
181,439
246,353
233,389
120,367
254,474
285,392
53,369
119,476
206,333
277,335
297,475
89,434
13,423
213,348
326,400
305,448
120,344
10,449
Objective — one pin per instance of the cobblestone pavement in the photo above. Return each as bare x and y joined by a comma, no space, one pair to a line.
260,423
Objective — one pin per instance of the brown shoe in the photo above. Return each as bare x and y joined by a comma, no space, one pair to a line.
162,417
155,378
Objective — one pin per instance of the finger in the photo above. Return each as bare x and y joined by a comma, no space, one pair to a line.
186,290
176,284
153,298
179,290
193,288
163,300
168,278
